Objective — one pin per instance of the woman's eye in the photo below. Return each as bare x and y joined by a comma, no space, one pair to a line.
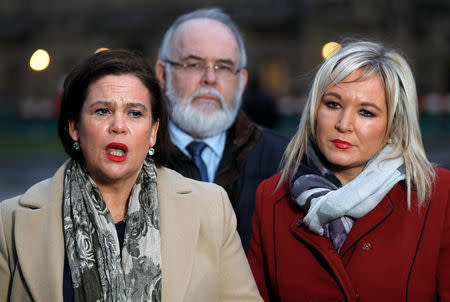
332,105
102,111
135,113
366,113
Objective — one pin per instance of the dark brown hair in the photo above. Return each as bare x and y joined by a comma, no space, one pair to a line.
111,62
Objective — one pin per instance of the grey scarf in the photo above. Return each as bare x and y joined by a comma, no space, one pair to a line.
100,271
331,208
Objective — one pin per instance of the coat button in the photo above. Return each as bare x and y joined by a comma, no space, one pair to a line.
367,246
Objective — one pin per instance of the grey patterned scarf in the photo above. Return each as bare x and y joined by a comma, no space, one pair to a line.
331,208
100,271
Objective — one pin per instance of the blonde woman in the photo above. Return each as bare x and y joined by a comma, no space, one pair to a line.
358,212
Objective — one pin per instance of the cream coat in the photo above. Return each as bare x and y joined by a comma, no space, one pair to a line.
202,257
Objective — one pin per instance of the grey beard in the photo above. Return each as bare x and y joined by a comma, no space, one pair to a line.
206,121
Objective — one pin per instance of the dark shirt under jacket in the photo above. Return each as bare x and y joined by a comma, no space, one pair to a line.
252,154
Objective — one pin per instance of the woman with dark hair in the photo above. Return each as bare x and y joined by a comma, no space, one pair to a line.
358,212
113,224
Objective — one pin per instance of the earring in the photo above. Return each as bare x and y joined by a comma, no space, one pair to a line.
151,151
76,146
390,141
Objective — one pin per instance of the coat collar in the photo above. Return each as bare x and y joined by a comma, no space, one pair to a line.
40,240
242,137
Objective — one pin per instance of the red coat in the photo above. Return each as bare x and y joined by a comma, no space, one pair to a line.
390,254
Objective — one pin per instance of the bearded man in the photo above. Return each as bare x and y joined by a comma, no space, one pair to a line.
201,67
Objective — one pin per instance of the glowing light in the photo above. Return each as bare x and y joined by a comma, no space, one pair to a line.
39,60
101,49
329,49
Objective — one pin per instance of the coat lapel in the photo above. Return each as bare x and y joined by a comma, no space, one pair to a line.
180,225
39,239
366,224
321,246
324,251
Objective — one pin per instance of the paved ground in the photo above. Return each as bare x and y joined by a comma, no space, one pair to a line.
16,175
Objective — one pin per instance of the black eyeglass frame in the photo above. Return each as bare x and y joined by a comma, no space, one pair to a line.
187,65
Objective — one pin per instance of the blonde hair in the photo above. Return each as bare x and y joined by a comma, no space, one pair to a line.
401,97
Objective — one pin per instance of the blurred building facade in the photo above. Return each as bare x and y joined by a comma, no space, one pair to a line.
283,39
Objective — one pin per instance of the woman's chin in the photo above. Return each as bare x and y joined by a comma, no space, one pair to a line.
114,175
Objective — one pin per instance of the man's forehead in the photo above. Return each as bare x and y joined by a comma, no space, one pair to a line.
206,38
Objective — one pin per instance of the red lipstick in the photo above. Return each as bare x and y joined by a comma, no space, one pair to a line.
342,144
116,152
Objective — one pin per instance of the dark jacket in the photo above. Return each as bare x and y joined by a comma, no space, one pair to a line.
251,154
390,254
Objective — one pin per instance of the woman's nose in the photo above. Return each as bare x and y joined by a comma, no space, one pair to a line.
345,122
118,124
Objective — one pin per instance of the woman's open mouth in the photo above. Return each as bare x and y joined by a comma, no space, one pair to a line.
116,151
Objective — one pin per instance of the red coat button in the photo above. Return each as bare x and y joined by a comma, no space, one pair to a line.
367,246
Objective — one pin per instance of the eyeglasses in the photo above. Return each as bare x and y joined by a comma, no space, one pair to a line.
198,68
